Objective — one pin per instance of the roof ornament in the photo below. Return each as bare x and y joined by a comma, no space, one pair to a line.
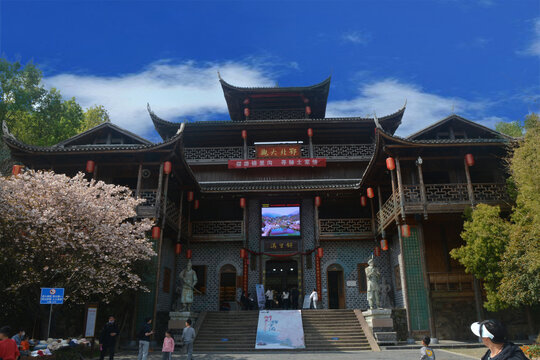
219,75
376,120
180,129
149,108
6,131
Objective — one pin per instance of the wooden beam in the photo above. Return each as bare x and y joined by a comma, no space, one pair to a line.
422,188
139,181
469,183
400,189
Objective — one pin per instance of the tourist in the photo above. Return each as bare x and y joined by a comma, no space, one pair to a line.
107,338
493,335
269,299
188,335
168,346
251,302
426,353
285,299
313,298
8,347
144,338
294,298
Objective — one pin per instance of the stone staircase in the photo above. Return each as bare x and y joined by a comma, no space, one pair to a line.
333,330
324,330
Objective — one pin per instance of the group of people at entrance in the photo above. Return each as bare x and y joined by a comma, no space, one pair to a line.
188,336
282,300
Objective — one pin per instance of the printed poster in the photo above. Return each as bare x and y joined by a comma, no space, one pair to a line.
261,300
280,329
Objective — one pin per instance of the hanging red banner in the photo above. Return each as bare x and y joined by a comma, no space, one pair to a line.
259,163
277,151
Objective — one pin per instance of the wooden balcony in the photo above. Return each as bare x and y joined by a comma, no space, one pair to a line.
440,198
448,284
232,230
332,229
332,152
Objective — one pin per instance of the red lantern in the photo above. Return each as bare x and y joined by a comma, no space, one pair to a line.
156,231
190,196
377,251
469,159
306,100
317,201
246,101
384,244
178,248
308,110
242,203
390,163
244,134
310,132
370,193
167,167
246,112
196,204
188,254
243,254
405,230
90,166
363,201
320,252
16,170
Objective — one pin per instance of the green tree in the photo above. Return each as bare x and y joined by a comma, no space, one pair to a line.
93,116
513,128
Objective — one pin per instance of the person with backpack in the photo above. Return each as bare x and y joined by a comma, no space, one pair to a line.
426,353
144,338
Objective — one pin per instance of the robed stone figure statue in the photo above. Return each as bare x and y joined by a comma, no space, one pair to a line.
373,277
189,280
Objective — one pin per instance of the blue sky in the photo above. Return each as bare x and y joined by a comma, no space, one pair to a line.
477,58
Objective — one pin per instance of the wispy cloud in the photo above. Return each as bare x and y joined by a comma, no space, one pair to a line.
423,108
356,37
534,46
173,90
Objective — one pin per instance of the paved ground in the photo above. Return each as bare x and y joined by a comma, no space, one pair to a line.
356,355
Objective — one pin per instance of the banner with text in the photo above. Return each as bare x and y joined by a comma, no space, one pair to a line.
280,329
260,163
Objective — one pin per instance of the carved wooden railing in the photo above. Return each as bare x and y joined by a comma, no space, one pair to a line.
345,227
450,281
328,151
217,230
387,211
490,192
148,208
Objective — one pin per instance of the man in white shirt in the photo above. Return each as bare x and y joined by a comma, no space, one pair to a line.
269,298
285,298
313,298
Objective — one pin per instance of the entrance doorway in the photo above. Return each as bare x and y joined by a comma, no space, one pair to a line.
281,275
336,290
227,287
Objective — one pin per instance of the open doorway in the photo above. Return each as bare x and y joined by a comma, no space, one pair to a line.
227,287
281,275
336,290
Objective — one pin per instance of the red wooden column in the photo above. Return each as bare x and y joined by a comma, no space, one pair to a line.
245,277
318,256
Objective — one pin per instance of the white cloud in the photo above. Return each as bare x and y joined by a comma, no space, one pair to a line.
534,47
356,37
387,96
173,90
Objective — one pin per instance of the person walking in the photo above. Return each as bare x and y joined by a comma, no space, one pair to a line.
426,353
313,298
8,347
493,335
107,338
285,299
188,336
168,346
144,338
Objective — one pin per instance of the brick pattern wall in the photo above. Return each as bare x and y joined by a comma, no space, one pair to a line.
167,261
394,261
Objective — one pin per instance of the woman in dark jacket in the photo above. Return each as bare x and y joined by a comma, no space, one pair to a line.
493,334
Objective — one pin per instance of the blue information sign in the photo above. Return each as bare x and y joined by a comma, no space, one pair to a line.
52,296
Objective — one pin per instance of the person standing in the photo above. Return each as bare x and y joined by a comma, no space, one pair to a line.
285,299
188,336
493,335
8,347
144,338
269,299
107,338
426,353
313,298
168,346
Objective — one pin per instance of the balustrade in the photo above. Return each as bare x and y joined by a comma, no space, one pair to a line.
217,230
345,227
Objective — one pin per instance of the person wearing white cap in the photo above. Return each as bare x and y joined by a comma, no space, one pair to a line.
493,335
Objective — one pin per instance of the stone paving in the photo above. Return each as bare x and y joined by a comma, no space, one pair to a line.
356,355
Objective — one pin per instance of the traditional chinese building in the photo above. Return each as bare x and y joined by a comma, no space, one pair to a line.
283,196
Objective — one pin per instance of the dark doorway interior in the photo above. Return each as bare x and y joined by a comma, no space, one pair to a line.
281,275
227,286
336,294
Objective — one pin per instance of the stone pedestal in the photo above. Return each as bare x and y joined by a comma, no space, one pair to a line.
177,322
381,323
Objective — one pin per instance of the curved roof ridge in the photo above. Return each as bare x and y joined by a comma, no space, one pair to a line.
266,88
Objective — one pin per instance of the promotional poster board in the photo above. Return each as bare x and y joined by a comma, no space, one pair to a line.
261,300
280,329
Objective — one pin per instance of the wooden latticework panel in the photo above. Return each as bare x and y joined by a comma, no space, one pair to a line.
205,228
490,192
447,193
364,151
267,114
344,226
387,211
214,153
412,193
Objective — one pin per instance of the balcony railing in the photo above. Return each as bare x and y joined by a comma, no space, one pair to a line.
232,230
450,282
349,228
358,152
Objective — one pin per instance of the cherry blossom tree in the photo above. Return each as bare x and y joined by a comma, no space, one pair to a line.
79,234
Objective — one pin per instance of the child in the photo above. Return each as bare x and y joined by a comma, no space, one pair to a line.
168,346
425,351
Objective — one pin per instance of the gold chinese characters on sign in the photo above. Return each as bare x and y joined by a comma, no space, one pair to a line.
278,151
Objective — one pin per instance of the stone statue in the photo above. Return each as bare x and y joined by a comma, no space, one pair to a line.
189,280
386,297
373,277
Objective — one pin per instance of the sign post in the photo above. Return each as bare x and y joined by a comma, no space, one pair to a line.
50,296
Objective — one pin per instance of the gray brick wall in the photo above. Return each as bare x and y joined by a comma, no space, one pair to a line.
394,261
167,261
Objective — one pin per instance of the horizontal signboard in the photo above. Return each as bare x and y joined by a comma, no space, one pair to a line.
277,151
260,163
